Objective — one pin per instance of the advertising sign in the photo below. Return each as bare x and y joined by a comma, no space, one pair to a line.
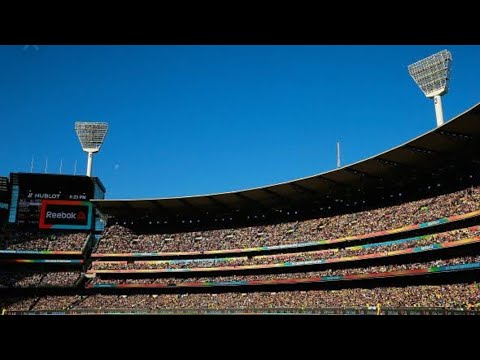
63,214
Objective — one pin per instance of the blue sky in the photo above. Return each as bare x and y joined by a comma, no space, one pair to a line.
187,120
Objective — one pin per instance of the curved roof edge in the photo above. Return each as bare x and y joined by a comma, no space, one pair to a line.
271,186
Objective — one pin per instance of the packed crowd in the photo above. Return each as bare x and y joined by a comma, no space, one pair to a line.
120,239
38,279
40,241
376,248
454,296
299,275
39,303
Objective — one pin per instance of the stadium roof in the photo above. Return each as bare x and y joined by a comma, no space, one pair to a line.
426,156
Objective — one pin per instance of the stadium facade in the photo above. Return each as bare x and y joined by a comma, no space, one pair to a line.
395,233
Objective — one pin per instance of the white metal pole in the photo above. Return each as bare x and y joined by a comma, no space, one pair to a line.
89,164
438,109
338,154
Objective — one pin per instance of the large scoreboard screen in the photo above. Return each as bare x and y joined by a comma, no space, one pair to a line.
4,199
4,194
29,190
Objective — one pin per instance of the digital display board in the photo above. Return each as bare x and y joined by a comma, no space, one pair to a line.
4,199
29,190
62,214
4,194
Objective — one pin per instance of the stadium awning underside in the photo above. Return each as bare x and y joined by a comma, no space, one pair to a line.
427,156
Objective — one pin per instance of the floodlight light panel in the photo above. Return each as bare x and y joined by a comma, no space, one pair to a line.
432,73
91,134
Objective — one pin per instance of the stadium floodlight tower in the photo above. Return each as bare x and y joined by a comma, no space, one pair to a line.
91,136
431,75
